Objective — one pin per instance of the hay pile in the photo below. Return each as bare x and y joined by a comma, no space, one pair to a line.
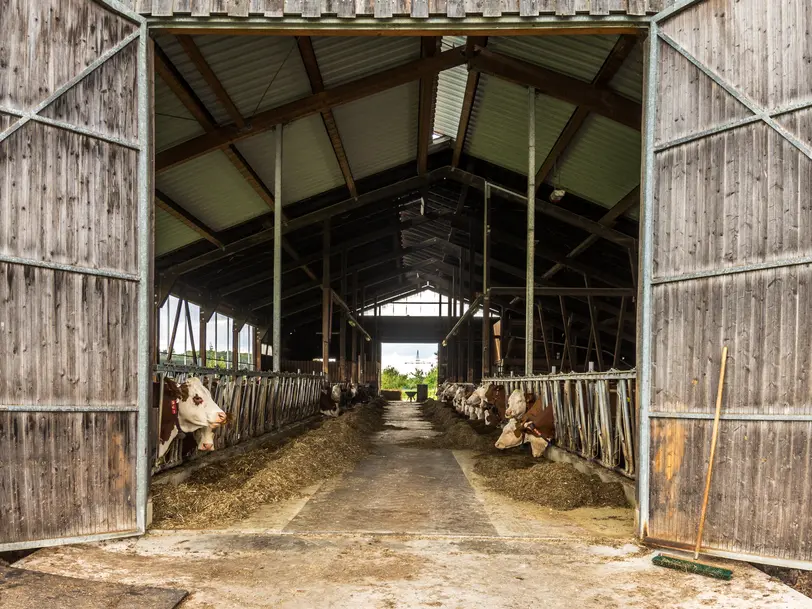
225,492
555,485
457,433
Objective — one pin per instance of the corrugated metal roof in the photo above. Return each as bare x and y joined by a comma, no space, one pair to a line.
309,165
450,91
343,59
629,79
578,56
245,66
498,129
211,188
380,131
173,122
170,233
602,164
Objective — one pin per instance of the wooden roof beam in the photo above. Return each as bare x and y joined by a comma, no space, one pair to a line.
429,46
560,86
307,106
178,212
311,65
618,55
468,98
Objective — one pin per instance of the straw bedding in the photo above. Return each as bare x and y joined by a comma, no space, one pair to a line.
229,491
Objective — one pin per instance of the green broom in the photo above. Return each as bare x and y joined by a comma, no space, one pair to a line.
693,566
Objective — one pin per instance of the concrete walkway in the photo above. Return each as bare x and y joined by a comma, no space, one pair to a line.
413,527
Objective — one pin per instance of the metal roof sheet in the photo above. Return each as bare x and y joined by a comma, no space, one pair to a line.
450,92
629,79
170,233
211,188
498,129
257,72
344,59
577,56
602,164
309,165
173,122
380,131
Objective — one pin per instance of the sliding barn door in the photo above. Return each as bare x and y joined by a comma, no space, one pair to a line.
728,261
75,234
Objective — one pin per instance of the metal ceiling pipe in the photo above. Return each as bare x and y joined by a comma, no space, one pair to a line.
350,317
277,253
530,280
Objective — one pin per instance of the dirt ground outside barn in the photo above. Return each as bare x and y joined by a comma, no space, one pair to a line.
410,526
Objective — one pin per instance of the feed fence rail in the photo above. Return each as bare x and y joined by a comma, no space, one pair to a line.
595,413
256,403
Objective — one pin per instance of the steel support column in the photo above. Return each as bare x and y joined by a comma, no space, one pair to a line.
326,300
342,330
529,299
277,253
486,306
469,351
354,335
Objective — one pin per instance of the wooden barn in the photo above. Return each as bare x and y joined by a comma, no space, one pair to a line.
600,195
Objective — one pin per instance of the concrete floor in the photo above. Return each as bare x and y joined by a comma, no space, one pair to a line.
412,527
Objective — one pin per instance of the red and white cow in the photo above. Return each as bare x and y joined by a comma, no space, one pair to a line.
187,407
536,426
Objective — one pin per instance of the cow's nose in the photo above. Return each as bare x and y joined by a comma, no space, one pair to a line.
207,447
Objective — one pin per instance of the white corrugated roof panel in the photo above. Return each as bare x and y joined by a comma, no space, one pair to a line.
498,129
257,72
602,164
450,92
380,132
173,122
210,188
629,79
578,56
344,59
171,233
309,165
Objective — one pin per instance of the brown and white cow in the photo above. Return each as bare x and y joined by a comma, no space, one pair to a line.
187,407
330,400
536,427
495,405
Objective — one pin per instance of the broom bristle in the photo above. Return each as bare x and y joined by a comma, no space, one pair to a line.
689,566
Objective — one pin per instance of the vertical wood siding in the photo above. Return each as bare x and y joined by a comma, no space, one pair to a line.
69,195
418,9
723,201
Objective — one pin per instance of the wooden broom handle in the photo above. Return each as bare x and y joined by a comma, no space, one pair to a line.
714,437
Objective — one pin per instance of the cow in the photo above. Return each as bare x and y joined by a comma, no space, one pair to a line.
495,405
187,407
518,403
330,400
476,403
536,427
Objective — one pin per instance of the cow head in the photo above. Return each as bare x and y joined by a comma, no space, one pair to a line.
511,436
335,393
197,408
205,438
518,403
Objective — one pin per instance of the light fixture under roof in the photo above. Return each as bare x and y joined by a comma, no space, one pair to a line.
557,195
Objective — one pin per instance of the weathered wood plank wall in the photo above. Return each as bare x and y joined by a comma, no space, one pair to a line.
724,202
383,9
69,269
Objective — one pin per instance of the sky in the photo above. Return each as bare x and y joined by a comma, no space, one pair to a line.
403,356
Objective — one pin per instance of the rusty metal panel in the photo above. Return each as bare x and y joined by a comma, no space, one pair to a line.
727,260
75,232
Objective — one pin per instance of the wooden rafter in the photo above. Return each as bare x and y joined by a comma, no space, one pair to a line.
175,81
308,106
177,211
471,84
624,46
560,86
311,65
429,46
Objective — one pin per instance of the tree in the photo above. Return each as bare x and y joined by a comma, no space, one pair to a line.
392,379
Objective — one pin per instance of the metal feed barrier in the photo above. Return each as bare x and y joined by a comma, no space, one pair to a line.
595,413
256,403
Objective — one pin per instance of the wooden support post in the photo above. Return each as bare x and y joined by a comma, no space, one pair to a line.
362,351
376,344
469,377
191,334
619,336
259,333
593,322
547,354
486,305
568,339
342,329
235,344
326,300
530,277
171,347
